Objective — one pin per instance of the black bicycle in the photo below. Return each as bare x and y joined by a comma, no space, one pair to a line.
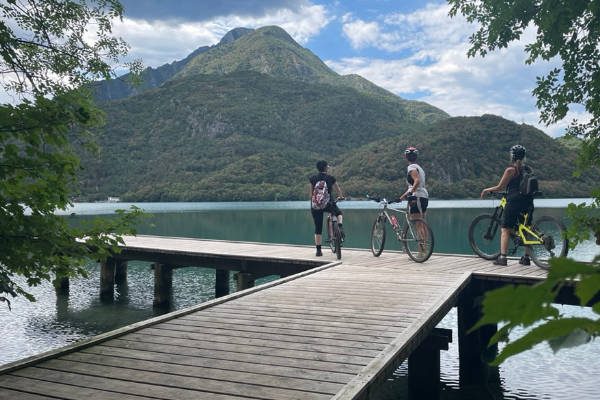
542,240
414,234
334,234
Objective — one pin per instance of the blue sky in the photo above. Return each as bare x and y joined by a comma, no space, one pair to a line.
410,47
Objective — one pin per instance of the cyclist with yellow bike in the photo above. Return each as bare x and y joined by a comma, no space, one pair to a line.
516,204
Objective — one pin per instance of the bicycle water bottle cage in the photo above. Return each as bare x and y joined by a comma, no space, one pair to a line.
394,221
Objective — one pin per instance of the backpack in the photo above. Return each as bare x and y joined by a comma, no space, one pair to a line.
320,196
528,185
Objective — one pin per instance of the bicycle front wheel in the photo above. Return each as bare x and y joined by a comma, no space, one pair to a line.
337,241
484,236
378,236
417,238
554,243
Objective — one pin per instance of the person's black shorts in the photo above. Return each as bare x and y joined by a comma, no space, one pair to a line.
318,216
514,208
418,205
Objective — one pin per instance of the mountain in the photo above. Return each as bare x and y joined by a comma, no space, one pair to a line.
463,155
122,87
248,118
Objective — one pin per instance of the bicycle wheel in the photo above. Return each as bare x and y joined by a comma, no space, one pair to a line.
337,240
417,238
484,236
554,244
378,236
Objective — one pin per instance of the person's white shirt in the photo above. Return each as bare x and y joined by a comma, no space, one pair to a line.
421,191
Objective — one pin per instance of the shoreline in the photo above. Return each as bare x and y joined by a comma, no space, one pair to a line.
167,207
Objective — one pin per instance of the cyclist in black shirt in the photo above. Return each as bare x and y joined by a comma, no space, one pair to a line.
328,206
516,203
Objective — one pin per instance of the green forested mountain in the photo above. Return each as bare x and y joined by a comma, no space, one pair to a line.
248,118
461,156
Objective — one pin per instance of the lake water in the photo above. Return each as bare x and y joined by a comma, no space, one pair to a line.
52,322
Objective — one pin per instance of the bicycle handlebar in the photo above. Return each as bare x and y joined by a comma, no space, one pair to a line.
383,200
500,195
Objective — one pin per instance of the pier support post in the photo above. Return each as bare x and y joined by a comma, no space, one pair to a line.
473,351
244,280
424,365
107,280
221,282
163,285
120,272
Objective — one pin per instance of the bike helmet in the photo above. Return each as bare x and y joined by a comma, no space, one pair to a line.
517,152
411,153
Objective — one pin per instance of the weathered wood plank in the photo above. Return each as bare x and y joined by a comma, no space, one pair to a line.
59,390
235,356
81,384
75,370
237,365
372,338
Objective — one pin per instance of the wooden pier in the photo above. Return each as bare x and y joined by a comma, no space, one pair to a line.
331,331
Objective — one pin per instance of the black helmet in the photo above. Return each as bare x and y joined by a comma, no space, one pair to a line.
517,152
411,150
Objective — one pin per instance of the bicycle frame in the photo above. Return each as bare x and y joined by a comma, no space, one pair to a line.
331,218
396,224
523,229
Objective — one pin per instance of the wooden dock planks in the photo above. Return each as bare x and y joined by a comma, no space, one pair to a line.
322,334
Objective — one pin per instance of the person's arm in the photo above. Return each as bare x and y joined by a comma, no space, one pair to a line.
338,190
416,181
508,174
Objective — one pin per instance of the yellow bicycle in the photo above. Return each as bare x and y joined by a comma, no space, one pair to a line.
542,240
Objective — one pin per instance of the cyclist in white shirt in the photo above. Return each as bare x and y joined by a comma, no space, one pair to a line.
417,192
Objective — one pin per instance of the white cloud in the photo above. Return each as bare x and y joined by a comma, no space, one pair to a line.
158,42
437,69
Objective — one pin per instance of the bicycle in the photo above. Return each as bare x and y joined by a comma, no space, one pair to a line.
542,240
415,235
334,235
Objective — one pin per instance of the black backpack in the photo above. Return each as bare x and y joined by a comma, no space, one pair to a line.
529,184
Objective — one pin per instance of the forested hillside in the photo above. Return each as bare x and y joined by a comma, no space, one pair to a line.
461,156
248,118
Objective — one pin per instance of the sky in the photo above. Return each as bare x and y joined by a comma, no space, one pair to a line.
409,47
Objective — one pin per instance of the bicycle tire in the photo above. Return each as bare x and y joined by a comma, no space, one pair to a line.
337,240
330,241
555,244
418,248
485,247
378,236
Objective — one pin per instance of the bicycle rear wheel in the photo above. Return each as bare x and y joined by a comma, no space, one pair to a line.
554,244
484,237
337,241
330,235
378,236
417,238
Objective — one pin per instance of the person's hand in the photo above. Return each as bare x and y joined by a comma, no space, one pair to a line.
483,193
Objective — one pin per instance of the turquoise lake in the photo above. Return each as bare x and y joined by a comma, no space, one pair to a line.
51,322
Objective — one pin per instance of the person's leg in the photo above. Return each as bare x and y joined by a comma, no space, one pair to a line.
418,211
318,220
